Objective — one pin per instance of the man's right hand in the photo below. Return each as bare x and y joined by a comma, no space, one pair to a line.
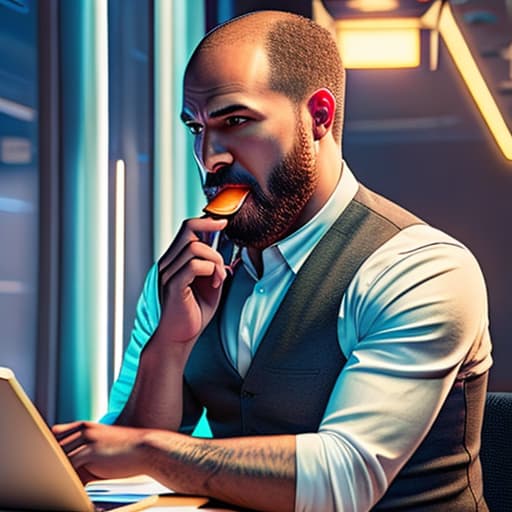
191,274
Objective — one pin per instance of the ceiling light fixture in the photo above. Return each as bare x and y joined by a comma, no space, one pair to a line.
380,43
373,5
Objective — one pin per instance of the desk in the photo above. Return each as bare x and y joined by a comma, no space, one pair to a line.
130,489
161,506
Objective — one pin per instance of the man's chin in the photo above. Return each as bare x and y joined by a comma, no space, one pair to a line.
245,240
253,240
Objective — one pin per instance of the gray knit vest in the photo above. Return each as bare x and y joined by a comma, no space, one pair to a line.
298,361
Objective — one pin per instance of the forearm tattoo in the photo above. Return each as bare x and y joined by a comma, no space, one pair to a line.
211,458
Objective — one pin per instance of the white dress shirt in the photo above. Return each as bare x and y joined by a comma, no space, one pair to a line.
412,321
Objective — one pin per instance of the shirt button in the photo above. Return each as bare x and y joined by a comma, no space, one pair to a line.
261,290
244,334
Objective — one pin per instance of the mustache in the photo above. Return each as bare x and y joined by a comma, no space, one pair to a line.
227,176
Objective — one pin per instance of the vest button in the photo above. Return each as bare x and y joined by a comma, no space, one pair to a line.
247,394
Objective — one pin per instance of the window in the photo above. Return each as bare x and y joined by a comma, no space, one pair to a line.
19,189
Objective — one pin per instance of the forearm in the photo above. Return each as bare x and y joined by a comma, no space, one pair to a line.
253,472
156,400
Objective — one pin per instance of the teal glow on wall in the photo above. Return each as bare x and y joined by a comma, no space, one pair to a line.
84,307
84,346
178,28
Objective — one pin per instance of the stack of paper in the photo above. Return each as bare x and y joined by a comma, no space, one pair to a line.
135,489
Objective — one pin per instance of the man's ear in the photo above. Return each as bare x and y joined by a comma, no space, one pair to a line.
321,106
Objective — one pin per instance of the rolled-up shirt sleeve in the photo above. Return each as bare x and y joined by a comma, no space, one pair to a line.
412,321
147,316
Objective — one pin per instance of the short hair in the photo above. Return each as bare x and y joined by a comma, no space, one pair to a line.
303,56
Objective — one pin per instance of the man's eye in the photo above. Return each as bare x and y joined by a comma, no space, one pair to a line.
236,120
195,128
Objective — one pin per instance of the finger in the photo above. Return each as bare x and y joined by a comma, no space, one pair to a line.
194,269
86,476
70,443
191,230
196,250
211,235
81,456
64,429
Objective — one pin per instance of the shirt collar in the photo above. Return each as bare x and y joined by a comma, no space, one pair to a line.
296,247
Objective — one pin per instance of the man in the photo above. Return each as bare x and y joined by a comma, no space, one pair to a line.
344,364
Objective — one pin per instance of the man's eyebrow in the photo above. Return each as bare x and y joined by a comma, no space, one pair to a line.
185,117
227,110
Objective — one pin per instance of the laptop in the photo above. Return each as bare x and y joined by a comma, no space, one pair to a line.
35,473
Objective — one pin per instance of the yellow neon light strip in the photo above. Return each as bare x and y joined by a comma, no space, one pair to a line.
119,265
373,5
468,68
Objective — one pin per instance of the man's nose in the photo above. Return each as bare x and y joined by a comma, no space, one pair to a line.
214,154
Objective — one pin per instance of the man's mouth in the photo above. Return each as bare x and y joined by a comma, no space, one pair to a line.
212,191
226,200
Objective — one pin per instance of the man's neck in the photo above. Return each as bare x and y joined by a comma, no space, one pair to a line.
329,162
256,256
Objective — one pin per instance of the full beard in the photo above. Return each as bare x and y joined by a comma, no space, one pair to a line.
267,217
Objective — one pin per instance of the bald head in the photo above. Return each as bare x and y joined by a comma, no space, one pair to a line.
302,55
251,28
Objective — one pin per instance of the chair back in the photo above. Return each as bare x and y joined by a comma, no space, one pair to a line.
496,451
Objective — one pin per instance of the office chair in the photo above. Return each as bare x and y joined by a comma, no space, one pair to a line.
496,451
